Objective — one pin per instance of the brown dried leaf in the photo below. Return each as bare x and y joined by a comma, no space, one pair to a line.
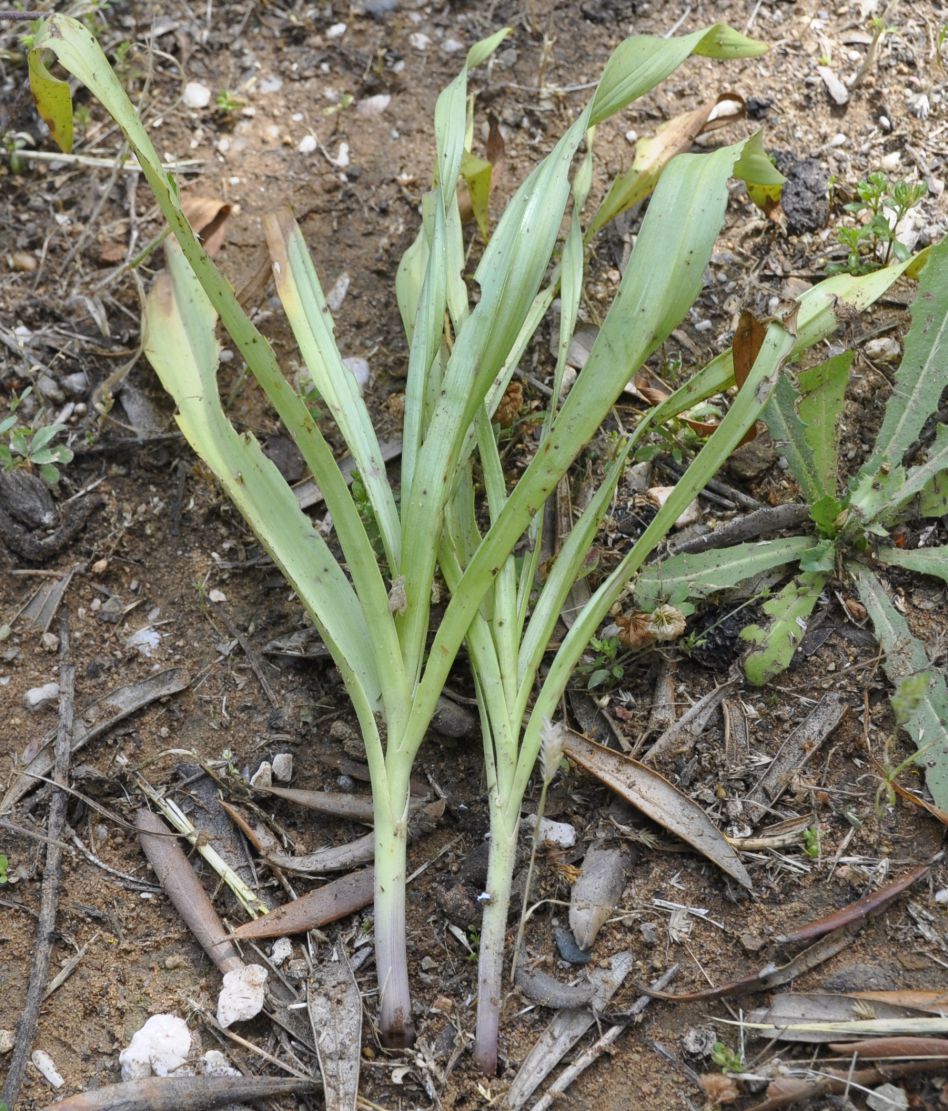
659,800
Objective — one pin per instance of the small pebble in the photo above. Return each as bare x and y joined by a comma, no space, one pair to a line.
568,949
24,261
419,40
216,596
883,349
7,1041
44,1065
336,31
263,776
49,388
196,95
307,144
283,767
157,1049
559,835
887,1097
38,698
214,1063
281,950
242,994
111,610
373,105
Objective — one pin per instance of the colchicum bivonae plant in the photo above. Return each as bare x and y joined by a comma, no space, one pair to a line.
374,611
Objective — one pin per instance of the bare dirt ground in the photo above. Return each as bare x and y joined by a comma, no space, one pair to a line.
163,552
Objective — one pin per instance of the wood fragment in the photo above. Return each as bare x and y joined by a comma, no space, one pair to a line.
680,737
795,752
540,987
752,526
600,1046
875,1049
789,1090
565,1030
771,975
337,804
185,890
184,1093
340,858
52,875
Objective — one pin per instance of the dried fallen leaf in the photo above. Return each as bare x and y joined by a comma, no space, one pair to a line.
659,800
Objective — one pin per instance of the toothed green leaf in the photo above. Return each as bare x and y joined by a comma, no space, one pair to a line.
822,394
776,642
904,657
927,561
691,576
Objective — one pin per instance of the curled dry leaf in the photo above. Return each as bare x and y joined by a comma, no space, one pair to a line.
659,800
185,890
596,892
329,903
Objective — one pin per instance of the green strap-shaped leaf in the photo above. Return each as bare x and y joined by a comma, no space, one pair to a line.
179,342
304,303
641,62
927,561
882,496
822,394
776,642
905,658
923,374
687,577
53,100
933,500
789,436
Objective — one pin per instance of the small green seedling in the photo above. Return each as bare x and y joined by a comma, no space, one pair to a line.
727,1059
4,866
600,666
880,208
856,531
811,842
227,103
30,446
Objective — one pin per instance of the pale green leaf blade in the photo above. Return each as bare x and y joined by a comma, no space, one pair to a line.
642,61
927,561
478,174
933,500
789,437
904,658
53,100
822,394
919,479
304,303
775,643
922,376
180,344
688,577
